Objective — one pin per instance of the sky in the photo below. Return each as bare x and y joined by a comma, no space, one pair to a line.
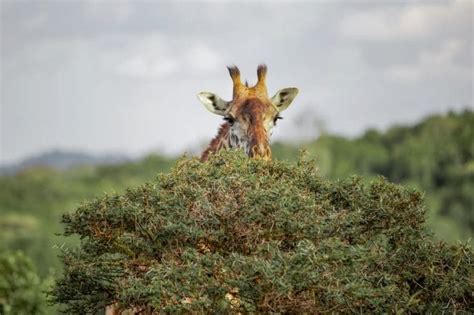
109,76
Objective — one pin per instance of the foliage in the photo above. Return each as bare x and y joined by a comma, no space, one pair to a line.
435,156
20,286
244,235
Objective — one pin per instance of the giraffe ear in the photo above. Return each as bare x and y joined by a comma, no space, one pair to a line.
213,103
283,98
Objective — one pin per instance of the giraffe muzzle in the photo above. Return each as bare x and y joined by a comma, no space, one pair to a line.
261,152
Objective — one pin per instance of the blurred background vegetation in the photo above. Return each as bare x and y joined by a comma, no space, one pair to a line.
435,156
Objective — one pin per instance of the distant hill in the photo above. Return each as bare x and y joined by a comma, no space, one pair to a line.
62,160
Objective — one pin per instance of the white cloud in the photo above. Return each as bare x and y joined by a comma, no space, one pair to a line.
202,58
401,23
159,56
375,25
429,64
146,66
36,22
119,11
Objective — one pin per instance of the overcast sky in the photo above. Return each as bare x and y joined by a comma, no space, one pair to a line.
122,76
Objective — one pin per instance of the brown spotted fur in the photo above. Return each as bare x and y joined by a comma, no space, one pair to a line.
219,142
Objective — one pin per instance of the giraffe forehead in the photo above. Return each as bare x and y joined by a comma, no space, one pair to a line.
243,91
253,109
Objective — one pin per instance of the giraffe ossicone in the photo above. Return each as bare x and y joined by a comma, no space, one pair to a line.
250,116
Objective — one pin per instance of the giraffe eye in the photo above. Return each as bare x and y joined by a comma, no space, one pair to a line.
276,119
230,120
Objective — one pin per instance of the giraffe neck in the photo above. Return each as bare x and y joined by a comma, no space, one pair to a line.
221,141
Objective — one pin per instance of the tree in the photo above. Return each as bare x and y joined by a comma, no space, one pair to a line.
236,234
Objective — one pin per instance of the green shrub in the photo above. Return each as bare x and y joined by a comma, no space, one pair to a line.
20,286
241,235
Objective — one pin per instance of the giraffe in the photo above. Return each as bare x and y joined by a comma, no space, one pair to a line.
249,117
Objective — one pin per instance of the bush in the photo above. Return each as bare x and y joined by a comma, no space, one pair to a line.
241,235
20,286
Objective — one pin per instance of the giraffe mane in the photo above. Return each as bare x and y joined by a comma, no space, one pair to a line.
219,141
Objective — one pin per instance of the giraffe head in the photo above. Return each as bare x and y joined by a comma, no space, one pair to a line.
251,114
